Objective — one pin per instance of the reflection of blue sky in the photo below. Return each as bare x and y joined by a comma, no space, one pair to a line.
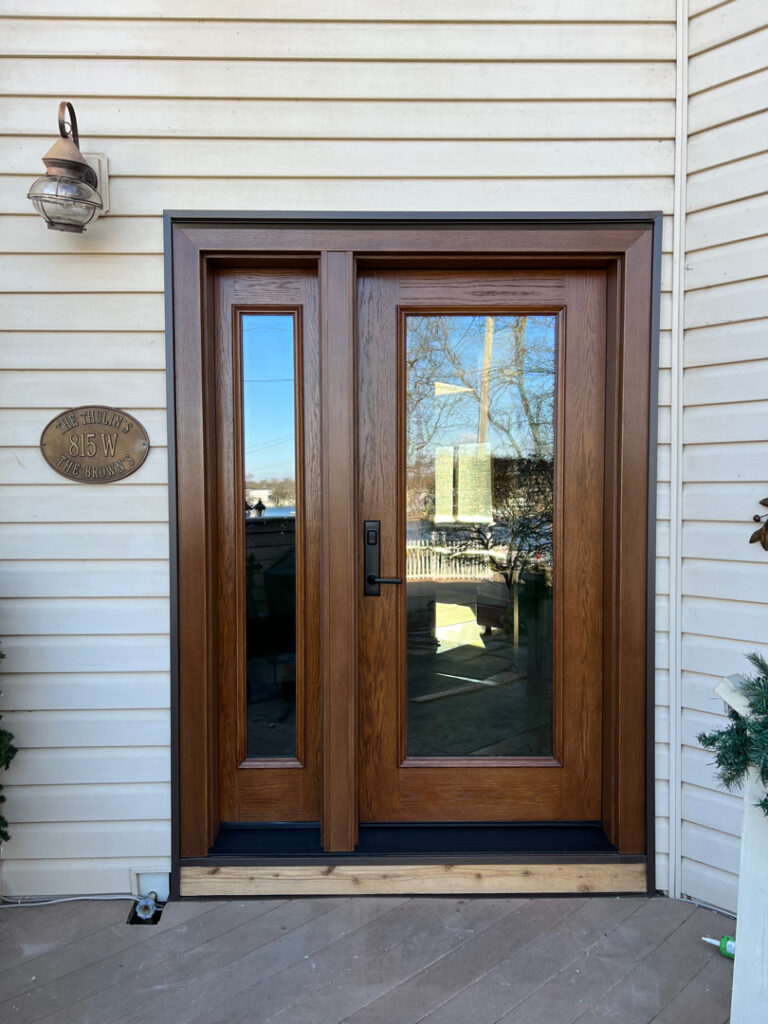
268,396
451,352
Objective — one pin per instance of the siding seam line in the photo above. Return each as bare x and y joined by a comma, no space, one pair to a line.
674,656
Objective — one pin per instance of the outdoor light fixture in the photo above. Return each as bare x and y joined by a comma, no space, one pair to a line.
66,196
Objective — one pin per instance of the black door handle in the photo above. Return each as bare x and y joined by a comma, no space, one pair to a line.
372,560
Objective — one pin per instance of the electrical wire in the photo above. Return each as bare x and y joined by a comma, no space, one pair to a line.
6,902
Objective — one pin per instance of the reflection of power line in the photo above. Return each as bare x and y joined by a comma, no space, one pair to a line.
267,380
261,327
269,444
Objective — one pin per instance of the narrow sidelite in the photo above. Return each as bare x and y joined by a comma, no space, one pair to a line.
270,510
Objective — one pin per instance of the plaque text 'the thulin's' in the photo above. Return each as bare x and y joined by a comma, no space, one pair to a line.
94,444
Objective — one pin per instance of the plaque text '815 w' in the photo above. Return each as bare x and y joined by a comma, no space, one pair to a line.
94,444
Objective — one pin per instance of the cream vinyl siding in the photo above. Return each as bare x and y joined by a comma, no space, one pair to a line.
421,105
725,386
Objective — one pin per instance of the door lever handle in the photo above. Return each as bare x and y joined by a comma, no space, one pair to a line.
372,560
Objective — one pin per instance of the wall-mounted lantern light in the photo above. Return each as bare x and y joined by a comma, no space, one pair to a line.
66,197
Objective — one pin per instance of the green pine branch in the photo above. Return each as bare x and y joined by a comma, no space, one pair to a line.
743,743
7,753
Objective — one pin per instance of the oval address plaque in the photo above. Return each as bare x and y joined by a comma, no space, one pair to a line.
94,444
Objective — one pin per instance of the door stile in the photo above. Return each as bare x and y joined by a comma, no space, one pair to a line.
339,554
584,472
558,541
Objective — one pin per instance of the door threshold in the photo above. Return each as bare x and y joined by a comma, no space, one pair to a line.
324,878
485,858
446,841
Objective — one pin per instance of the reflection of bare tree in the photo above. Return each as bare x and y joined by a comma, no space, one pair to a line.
466,374
485,378
520,536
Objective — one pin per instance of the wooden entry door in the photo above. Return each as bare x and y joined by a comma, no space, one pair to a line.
547,617
481,448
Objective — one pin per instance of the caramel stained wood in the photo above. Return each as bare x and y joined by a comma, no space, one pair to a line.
266,789
370,237
339,546
195,540
415,879
201,244
487,789
632,584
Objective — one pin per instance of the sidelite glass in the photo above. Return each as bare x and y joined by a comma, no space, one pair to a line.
480,399
269,457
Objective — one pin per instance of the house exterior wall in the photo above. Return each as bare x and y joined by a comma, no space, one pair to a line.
422,105
724,372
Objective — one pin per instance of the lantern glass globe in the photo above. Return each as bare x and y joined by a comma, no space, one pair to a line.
66,204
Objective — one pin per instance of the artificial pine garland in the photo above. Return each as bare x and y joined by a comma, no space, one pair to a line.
7,752
743,744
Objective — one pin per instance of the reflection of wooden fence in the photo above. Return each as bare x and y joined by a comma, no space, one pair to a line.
423,561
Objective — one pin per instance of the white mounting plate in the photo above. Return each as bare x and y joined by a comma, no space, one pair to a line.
100,164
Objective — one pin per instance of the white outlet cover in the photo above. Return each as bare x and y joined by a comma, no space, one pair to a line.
149,879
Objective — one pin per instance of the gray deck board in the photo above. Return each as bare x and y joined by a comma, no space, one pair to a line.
364,967
279,968
134,978
601,967
368,960
659,978
71,923
42,965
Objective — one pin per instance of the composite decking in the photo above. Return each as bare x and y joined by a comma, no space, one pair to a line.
367,960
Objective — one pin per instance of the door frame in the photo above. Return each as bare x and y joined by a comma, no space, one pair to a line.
628,247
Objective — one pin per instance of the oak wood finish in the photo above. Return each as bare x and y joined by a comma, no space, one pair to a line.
340,530
196,553
631,526
621,245
416,879
267,789
394,787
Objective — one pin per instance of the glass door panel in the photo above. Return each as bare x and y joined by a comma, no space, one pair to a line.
480,435
269,457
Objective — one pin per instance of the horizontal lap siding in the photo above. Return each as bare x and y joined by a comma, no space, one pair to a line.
725,464
424,105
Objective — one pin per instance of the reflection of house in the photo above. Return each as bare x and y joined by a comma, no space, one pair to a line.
255,494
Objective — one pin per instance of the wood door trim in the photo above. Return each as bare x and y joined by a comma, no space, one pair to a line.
629,245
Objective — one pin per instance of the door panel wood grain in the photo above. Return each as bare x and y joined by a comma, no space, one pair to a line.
266,771
564,784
